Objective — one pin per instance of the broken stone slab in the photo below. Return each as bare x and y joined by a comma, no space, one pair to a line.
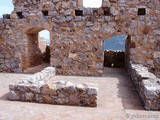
57,92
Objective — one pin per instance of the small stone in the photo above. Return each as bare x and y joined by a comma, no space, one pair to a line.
72,55
65,5
113,11
89,24
156,54
68,12
47,99
14,65
87,30
13,96
92,91
46,90
2,56
58,5
29,96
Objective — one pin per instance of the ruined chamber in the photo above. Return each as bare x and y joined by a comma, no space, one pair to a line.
77,37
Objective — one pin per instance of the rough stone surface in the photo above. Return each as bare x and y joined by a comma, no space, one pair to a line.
147,85
79,34
37,89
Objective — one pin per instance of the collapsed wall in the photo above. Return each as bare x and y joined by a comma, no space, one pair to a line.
77,33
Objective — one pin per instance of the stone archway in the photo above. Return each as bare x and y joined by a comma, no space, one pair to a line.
34,54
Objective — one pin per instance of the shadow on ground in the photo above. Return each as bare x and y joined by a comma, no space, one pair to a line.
126,89
5,97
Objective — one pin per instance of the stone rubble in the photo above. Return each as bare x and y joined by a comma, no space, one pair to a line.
37,88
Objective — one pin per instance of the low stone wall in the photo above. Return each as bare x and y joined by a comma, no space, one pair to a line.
38,88
147,85
114,58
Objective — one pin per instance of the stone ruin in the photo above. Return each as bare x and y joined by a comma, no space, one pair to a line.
40,88
77,35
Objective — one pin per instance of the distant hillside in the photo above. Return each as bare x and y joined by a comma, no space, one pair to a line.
115,43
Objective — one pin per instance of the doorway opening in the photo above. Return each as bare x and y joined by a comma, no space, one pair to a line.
114,51
38,54
44,45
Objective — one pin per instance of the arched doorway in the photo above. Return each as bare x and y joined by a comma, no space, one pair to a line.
38,48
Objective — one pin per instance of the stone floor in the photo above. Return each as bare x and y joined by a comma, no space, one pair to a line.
117,100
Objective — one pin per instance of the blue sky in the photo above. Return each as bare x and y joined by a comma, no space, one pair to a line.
6,7
116,42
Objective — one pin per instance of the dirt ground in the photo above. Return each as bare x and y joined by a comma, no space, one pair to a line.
117,100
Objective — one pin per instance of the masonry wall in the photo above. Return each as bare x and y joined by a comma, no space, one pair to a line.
77,33
9,61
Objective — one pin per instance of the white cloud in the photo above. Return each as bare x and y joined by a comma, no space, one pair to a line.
5,10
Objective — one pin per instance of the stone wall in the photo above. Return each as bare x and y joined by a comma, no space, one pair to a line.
114,58
77,33
39,88
9,62
147,85
156,70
